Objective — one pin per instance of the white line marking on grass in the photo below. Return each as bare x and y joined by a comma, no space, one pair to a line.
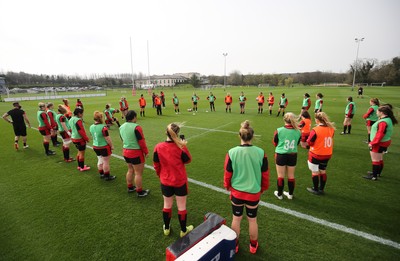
294,213
215,130
209,130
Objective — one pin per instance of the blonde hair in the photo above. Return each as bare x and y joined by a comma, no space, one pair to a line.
42,105
98,116
246,132
323,118
291,118
172,132
62,109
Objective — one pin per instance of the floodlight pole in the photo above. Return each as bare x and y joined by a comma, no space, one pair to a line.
225,54
358,40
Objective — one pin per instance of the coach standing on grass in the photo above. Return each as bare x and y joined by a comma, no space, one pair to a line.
19,118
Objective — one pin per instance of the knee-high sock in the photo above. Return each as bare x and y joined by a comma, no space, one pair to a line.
280,184
182,215
291,184
315,180
322,181
167,213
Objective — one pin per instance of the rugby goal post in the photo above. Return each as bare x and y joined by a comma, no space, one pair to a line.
381,84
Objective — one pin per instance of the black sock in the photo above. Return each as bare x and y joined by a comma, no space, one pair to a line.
281,184
375,169
291,183
344,128
54,139
278,113
182,216
369,139
24,143
46,147
270,112
167,217
349,128
315,180
322,180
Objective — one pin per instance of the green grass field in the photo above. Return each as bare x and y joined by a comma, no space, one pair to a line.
50,211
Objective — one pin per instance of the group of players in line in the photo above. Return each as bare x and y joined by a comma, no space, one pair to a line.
245,177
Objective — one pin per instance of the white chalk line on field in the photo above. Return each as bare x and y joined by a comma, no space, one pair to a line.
207,131
294,213
216,130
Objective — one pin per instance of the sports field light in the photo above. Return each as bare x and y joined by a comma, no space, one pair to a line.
358,40
225,54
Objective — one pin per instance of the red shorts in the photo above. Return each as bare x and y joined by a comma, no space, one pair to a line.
134,157
381,146
304,137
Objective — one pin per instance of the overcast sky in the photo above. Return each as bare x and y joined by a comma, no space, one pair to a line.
260,36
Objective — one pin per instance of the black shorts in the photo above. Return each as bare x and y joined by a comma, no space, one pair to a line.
238,201
142,107
286,159
45,132
260,104
228,103
322,164
316,110
169,191
242,105
104,152
64,135
20,130
81,145
350,117
194,103
282,106
133,161
304,108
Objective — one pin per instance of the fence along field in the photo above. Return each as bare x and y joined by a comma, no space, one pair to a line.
348,201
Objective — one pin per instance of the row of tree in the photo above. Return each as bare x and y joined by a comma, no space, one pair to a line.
367,71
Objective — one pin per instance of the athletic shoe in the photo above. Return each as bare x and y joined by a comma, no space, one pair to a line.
69,160
85,168
342,133
188,229
102,176
143,193
109,177
287,195
26,146
166,231
253,249
133,189
313,191
370,177
369,172
50,152
16,146
277,196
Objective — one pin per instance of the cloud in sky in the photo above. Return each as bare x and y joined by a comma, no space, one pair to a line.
260,36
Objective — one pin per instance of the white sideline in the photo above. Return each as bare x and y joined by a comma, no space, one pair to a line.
294,213
215,130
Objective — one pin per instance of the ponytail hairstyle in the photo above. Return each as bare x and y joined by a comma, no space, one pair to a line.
375,101
387,109
62,109
98,116
172,133
49,105
78,111
291,119
320,95
246,132
107,106
323,118
305,114
350,99
307,95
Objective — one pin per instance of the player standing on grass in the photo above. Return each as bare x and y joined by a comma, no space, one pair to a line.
52,117
79,104
124,106
175,101
162,97
321,148
79,138
45,128
211,98
195,99
286,139
318,103
142,105
102,146
134,152
158,103
65,131
360,92
348,115
305,127
381,138
371,117
246,176
260,101
282,105
18,119
169,159
68,114
228,102
271,101
242,102
306,102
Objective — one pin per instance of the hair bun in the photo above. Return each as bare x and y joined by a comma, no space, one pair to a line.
245,124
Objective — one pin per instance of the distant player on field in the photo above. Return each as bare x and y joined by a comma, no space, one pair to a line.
175,101
319,102
371,117
79,138
228,102
211,98
18,119
142,105
306,102
242,102
109,115
271,101
45,128
123,106
260,101
195,99
348,115
282,105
